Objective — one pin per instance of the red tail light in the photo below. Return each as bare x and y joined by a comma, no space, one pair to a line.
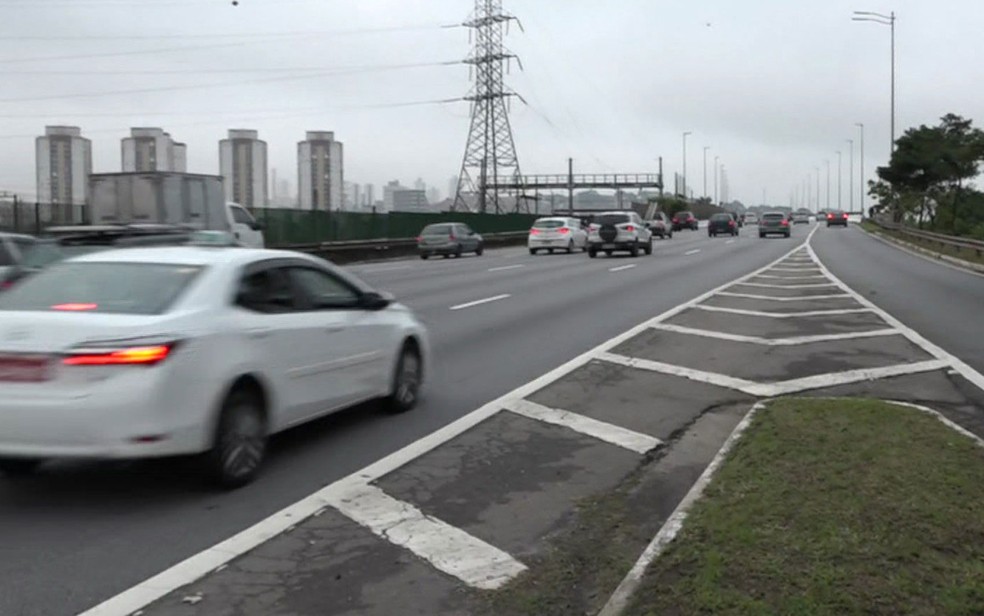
75,307
731,223
785,222
131,356
564,230
845,216
629,228
451,237
6,284
419,239
534,231
830,216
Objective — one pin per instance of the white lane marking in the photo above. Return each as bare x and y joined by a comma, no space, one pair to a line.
792,341
781,388
201,564
786,286
782,315
701,376
505,268
448,548
616,435
691,252
479,302
388,268
801,298
965,370
938,415
619,601
622,268
730,242
810,277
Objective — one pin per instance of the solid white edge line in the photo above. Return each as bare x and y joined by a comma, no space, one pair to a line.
622,268
792,341
943,418
447,547
201,564
782,315
959,365
480,302
505,268
801,298
619,600
848,377
610,433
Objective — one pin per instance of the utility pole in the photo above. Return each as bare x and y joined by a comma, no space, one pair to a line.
861,203
716,158
827,160
706,148
840,186
490,152
818,188
660,176
850,189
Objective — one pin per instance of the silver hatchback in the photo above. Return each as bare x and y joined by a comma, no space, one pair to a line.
447,239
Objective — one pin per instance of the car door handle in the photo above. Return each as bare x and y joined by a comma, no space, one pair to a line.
258,332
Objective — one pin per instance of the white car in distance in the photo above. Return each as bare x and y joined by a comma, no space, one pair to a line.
557,233
152,352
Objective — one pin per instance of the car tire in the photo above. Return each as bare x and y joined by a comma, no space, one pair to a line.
240,442
406,380
458,252
480,250
446,256
788,235
649,247
761,235
669,236
532,251
425,256
550,251
570,247
609,253
634,249
709,234
592,253
19,467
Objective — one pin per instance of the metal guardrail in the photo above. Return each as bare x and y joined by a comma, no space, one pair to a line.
951,241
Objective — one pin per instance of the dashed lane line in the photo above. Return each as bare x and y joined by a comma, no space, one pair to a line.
616,435
480,302
505,268
622,268
792,341
782,315
691,252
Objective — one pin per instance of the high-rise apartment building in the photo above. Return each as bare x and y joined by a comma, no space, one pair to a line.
243,166
63,158
152,149
320,172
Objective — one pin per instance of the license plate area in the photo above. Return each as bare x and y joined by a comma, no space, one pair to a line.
24,368
607,246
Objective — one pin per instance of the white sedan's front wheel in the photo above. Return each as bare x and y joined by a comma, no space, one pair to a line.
406,381
240,440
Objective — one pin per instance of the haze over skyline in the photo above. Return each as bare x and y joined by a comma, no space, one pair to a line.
773,89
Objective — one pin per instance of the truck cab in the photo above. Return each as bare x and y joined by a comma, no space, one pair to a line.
245,228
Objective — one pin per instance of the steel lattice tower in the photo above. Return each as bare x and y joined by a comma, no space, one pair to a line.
490,153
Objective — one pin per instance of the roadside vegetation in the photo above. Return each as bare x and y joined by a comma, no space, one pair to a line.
832,507
928,182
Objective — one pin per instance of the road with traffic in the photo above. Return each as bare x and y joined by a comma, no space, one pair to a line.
79,534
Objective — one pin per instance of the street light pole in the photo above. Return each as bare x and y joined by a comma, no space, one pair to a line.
818,188
884,20
827,160
706,148
850,189
685,135
840,185
861,203
716,158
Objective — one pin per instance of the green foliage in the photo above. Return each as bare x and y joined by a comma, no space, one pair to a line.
928,177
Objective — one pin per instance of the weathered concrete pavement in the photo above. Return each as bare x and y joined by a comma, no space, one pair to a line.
475,506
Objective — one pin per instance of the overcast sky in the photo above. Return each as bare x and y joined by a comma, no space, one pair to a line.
774,87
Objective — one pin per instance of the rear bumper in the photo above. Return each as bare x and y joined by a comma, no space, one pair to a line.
836,223
774,231
437,249
553,242
618,245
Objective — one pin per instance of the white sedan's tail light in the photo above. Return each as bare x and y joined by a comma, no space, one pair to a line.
119,354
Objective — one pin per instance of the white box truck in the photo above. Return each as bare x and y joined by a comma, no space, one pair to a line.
188,199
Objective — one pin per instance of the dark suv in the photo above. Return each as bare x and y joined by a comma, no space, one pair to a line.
774,223
685,220
60,243
722,224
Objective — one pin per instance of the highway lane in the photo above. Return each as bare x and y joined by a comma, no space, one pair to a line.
81,533
941,303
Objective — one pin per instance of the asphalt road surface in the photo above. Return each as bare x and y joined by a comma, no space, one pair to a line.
82,533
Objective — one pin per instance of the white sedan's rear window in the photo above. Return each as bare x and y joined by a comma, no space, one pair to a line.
118,288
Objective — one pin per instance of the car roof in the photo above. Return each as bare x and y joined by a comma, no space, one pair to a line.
22,236
188,255
774,214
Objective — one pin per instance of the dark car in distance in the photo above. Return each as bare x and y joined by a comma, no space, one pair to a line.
722,224
774,223
836,217
685,220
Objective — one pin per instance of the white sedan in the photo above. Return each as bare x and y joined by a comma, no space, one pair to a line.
557,233
151,352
